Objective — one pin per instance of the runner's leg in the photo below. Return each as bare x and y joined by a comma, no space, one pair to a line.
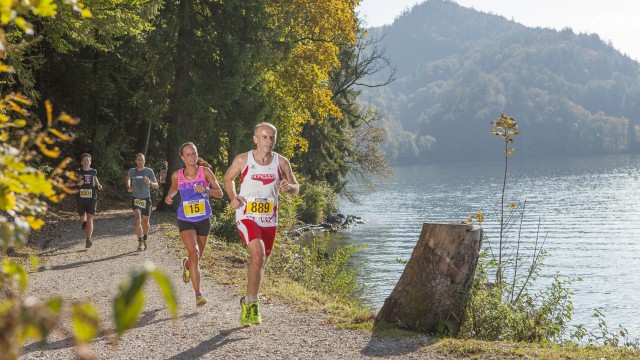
189,238
89,228
138,215
257,259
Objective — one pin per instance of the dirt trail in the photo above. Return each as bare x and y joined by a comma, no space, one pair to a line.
210,332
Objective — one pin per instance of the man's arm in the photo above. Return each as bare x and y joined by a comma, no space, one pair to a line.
127,181
152,179
288,184
97,182
234,170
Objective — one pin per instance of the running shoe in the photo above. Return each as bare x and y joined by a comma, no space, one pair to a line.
139,245
200,300
244,313
144,244
88,243
185,271
254,313
84,225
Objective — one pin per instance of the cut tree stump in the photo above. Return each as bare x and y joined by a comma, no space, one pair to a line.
429,295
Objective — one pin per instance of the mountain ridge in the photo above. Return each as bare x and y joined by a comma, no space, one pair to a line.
458,69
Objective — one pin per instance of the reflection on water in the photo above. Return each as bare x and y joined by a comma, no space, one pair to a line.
588,209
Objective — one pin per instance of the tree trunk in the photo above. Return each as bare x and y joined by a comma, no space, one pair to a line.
180,125
429,295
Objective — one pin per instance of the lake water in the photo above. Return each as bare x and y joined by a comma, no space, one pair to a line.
588,208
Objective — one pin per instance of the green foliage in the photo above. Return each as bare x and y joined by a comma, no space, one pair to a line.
86,322
287,210
223,224
129,300
604,336
26,184
317,268
536,316
24,188
317,202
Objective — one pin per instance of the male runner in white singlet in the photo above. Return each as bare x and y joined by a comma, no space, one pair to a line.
264,174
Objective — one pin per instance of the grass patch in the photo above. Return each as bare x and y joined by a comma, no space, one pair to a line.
475,349
226,261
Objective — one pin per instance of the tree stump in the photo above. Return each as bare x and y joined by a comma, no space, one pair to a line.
429,295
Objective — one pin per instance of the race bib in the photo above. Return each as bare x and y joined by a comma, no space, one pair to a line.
194,208
260,206
86,193
141,203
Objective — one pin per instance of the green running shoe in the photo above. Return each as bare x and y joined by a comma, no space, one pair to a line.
244,313
254,313
200,300
185,271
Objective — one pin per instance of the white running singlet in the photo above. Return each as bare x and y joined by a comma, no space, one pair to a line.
259,188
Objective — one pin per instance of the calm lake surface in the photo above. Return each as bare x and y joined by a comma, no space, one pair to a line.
588,208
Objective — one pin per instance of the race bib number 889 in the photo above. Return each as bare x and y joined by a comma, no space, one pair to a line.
260,206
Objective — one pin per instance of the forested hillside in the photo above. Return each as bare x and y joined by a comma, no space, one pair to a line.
458,69
147,76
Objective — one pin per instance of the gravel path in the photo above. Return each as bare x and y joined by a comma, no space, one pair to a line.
210,332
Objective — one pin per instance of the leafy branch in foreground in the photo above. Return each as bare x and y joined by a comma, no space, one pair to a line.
26,187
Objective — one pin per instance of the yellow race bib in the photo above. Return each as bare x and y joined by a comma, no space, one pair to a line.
194,208
260,206
86,193
141,203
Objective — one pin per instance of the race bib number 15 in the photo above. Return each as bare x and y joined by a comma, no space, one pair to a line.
193,208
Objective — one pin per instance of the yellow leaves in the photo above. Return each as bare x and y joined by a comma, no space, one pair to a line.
23,188
479,217
86,13
315,30
60,135
52,153
34,222
7,202
5,68
49,111
86,322
45,8
24,25
506,127
68,119
13,11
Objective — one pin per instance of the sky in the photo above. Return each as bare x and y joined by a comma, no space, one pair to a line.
615,21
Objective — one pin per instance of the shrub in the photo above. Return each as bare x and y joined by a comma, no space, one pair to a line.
318,201
541,316
314,267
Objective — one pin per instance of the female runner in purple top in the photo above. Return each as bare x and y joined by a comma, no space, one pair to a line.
195,183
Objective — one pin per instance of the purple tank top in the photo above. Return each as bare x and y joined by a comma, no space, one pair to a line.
194,206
